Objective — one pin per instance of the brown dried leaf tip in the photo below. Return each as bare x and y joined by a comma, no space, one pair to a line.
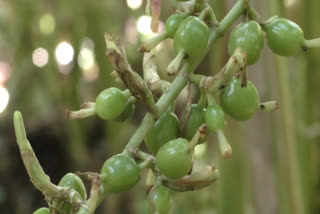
132,80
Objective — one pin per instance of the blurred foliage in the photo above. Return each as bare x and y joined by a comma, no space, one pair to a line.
255,180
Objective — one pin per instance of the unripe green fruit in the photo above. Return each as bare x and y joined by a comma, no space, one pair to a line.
159,200
74,181
127,113
284,36
192,37
110,103
249,37
240,103
174,159
196,119
119,173
173,23
42,210
164,130
215,118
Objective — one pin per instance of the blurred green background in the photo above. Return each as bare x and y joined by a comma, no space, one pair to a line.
52,58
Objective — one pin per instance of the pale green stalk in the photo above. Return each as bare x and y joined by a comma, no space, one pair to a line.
150,75
198,137
37,176
312,43
94,195
225,148
269,106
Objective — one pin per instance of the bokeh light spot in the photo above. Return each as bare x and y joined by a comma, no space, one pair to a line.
134,4
144,25
64,53
289,3
4,98
40,57
86,58
5,70
47,24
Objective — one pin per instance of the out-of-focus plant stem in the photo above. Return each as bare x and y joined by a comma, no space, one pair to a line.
304,145
292,178
308,98
77,129
232,192
216,55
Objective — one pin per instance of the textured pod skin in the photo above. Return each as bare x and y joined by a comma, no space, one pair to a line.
249,37
110,103
174,159
119,173
42,210
173,23
159,200
240,103
196,119
192,37
284,37
215,118
164,130
74,181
